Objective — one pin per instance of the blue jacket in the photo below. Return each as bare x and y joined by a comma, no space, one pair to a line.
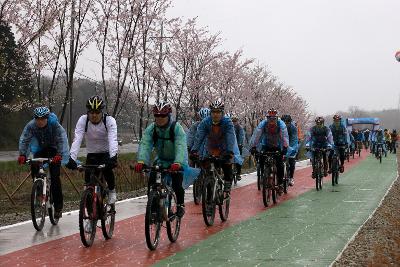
293,148
239,132
262,135
34,139
339,134
228,144
192,134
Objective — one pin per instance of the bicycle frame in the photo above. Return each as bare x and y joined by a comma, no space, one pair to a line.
44,176
215,174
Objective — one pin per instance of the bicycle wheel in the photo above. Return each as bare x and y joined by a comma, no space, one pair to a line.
197,189
234,176
51,210
266,189
173,222
286,179
258,177
87,222
38,207
108,218
334,169
152,221
225,200
208,203
273,186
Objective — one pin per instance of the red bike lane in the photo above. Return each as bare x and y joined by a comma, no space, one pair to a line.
128,245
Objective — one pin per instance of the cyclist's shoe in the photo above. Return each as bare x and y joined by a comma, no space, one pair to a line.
112,196
330,170
291,181
180,210
238,177
313,175
341,168
227,186
57,214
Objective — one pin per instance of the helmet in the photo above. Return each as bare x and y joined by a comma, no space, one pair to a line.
367,130
272,112
234,118
204,112
319,119
41,112
95,103
337,117
217,105
287,118
162,108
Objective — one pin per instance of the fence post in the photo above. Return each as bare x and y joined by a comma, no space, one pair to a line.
69,178
4,188
23,181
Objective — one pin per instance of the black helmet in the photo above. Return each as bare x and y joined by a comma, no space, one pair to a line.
319,119
95,103
217,105
287,118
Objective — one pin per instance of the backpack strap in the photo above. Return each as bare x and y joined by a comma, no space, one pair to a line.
171,133
104,122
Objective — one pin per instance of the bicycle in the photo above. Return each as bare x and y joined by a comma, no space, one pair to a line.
347,153
161,207
234,174
359,147
286,174
94,206
269,178
257,157
213,192
379,152
41,196
335,165
318,167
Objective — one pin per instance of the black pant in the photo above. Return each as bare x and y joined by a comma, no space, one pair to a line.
98,159
394,147
341,151
177,180
292,166
238,166
55,188
278,160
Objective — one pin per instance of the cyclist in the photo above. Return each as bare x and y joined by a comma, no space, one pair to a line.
319,136
168,139
293,146
240,134
359,138
339,135
379,141
394,138
372,139
203,113
216,137
366,138
273,136
100,132
388,139
46,138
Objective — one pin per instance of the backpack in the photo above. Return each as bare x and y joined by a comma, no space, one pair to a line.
171,134
104,121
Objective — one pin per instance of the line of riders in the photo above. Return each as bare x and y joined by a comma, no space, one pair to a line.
216,134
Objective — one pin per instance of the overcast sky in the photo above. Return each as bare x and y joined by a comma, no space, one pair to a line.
335,53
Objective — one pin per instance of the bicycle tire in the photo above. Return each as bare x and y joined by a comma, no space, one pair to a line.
38,212
197,190
208,202
259,180
152,217
173,222
108,212
87,231
224,206
274,188
51,210
266,191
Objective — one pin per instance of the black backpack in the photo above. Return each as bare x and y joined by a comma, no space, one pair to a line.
171,134
104,121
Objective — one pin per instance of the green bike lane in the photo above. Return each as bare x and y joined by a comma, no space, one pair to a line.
310,230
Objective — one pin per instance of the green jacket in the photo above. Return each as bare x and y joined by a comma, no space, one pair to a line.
168,152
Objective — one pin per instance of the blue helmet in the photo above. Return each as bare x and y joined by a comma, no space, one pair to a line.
41,112
204,113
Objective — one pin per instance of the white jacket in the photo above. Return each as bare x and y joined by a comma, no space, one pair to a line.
98,139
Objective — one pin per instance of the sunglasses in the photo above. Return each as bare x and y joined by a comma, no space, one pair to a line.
160,115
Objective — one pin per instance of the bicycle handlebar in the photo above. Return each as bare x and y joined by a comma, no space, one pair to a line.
91,166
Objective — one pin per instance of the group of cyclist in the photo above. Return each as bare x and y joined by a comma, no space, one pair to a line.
215,134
